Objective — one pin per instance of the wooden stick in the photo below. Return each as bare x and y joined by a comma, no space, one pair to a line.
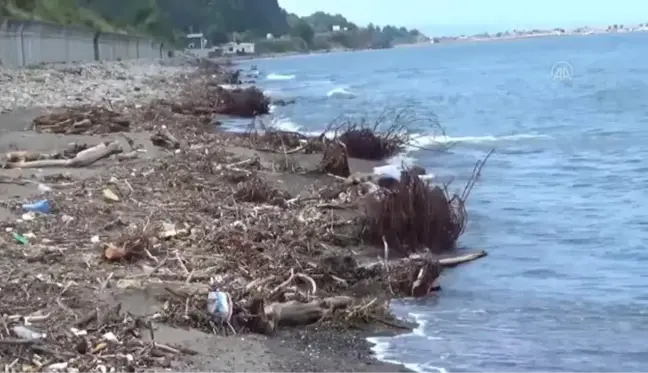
456,260
82,159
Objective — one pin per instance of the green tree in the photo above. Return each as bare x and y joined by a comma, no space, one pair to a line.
304,31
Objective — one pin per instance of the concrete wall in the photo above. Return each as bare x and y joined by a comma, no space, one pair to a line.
25,43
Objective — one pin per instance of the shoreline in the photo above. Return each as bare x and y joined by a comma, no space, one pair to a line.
312,348
467,40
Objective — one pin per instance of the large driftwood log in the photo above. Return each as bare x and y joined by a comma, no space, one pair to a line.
82,159
29,156
297,313
265,319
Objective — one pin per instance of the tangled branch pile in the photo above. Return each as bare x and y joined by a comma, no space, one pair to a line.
84,120
385,135
210,97
413,216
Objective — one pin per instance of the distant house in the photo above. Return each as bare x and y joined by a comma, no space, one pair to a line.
237,48
269,36
197,45
196,41
335,28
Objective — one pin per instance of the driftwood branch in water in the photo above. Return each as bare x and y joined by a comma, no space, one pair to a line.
446,262
456,260
82,159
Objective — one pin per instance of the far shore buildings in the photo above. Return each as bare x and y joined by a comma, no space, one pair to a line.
197,44
233,48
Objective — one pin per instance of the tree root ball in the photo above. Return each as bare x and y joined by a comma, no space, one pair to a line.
247,103
412,216
364,143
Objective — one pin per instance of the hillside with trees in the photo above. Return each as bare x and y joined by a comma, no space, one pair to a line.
219,20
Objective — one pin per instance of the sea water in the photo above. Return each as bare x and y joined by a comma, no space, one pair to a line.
562,205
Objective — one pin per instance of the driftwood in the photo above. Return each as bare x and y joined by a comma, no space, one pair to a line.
426,279
82,159
165,139
446,261
417,275
456,260
265,319
28,156
82,120
297,313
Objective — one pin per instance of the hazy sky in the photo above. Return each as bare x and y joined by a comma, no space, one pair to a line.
471,16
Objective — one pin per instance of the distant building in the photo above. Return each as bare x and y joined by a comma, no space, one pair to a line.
196,41
335,28
237,48
269,36
197,45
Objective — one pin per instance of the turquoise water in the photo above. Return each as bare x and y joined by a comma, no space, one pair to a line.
562,206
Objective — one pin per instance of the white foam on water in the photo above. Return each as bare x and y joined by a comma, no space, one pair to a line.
380,347
419,319
285,124
396,164
272,108
422,141
341,92
273,76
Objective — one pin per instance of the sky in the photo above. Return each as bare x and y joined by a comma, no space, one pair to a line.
474,16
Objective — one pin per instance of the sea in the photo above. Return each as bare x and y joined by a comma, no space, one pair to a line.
561,206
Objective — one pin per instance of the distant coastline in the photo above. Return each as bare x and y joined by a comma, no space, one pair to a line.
536,33
441,40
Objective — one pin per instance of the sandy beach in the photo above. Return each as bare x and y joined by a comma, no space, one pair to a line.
116,269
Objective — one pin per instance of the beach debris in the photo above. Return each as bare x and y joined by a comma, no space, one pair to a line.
241,102
82,120
220,307
109,195
27,333
335,160
131,246
83,158
165,139
386,134
275,249
20,238
368,144
28,216
415,216
42,206
44,188
170,231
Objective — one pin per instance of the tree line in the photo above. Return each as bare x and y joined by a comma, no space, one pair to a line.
219,20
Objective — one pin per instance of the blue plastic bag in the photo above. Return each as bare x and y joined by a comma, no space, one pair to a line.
42,206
